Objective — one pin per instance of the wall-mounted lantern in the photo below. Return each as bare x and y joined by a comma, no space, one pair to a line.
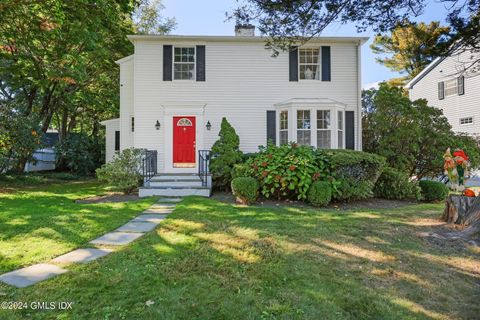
157,125
209,125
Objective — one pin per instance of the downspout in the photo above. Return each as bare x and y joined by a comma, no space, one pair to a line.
359,93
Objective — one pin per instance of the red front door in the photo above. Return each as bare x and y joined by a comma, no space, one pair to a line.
184,142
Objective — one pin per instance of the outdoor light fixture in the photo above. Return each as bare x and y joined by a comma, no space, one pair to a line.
209,125
157,125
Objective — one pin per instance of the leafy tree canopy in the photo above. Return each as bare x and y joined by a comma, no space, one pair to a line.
408,49
412,136
289,21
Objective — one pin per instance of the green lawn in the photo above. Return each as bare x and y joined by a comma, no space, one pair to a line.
211,260
41,222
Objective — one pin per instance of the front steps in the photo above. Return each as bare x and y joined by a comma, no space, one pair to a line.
175,185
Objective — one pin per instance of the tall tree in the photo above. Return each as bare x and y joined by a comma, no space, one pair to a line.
57,60
285,21
148,18
409,48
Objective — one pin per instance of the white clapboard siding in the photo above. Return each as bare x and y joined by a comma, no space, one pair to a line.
110,127
457,106
243,80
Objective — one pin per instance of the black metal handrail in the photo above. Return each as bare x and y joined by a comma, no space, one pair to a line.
149,165
204,166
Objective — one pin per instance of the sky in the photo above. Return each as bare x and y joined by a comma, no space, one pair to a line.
207,17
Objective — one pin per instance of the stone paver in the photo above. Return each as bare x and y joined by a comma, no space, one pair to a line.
30,275
155,218
162,200
116,238
163,205
137,226
158,211
82,255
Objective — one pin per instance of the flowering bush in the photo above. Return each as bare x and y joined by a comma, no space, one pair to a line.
286,171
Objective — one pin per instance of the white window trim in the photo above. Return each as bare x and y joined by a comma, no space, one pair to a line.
194,63
466,124
319,67
343,130
455,80
292,108
330,128
288,125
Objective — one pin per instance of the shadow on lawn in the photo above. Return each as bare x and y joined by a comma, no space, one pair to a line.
214,260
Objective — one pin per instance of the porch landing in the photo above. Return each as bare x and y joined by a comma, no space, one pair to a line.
176,185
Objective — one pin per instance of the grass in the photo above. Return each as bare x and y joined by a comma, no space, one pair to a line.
212,260
43,221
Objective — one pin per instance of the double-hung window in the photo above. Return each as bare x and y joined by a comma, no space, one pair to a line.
324,134
340,129
184,63
303,127
309,63
451,87
283,127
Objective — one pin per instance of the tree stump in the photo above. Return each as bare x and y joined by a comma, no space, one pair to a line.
457,208
463,210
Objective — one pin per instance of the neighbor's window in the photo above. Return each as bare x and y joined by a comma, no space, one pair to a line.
467,120
451,87
283,127
340,130
303,127
184,63
309,64
324,136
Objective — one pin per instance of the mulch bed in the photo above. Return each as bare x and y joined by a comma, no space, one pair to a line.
109,197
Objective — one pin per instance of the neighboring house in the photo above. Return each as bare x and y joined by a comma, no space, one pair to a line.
175,90
453,85
45,157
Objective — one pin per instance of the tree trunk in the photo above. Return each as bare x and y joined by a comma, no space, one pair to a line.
466,211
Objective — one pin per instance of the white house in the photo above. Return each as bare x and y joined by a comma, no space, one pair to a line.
175,90
453,85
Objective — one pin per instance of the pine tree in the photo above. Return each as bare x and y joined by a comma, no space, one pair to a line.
225,154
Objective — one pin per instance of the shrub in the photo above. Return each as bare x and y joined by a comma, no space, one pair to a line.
225,154
355,171
433,190
241,170
286,171
245,189
320,193
395,185
20,136
122,173
78,153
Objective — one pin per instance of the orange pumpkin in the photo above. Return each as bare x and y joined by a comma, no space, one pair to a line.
469,193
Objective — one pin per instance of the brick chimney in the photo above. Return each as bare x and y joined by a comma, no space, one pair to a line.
245,30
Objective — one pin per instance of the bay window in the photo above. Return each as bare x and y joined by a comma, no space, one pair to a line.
283,127
340,128
324,135
303,127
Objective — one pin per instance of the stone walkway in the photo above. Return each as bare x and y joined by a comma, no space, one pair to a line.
132,230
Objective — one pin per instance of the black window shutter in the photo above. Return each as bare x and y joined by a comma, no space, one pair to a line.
200,63
293,64
117,140
441,93
133,124
271,126
350,129
326,64
167,63
461,85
